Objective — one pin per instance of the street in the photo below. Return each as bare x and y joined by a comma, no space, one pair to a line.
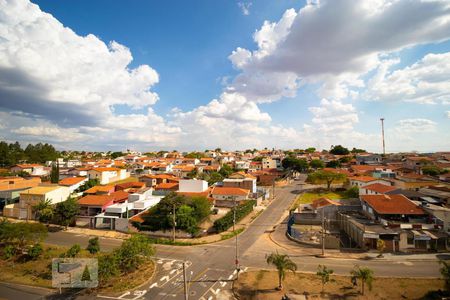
211,268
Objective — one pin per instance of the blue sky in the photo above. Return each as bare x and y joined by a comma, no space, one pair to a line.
230,74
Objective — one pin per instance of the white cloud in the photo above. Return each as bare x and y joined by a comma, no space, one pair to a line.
426,81
448,113
49,72
416,125
344,39
333,115
245,7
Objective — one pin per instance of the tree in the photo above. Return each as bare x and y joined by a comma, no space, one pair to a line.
86,276
115,155
226,171
445,272
54,173
195,155
186,220
93,245
22,234
326,176
294,164
363,274
44,211
87,185
66,212
339,150
192,174
352,192
316,164
133,252
310,150
108,267
139,171
380,247
333,164
201,207
73,251
282,263
356,150
432,170
214,177
324,273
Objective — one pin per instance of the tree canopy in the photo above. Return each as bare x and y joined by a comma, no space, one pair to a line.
295,164
339,150
325,176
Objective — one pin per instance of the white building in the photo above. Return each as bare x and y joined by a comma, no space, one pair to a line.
108,175
192,186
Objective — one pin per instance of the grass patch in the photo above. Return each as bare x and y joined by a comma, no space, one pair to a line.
229,235
307,198
34,272
258,285
129,281
163,241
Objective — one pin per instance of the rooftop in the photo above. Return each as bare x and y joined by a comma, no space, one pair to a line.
392,205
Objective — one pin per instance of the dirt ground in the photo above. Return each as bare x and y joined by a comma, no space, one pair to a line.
261,285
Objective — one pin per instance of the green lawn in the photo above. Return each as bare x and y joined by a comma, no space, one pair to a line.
310,197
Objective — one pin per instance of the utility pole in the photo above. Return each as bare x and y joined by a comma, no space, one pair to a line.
186,296
236,261
323,232
174,223
382,135
273,188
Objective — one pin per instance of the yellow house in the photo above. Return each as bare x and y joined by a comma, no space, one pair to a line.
31,197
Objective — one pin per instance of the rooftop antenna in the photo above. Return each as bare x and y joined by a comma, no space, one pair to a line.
382,135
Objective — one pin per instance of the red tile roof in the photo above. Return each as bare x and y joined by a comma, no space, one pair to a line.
392,205
71,181
95,200
119,196
321,202
230,191
379,188
127,185
167,186
106,169
100,188
363,178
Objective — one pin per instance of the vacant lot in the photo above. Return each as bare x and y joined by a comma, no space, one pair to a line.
310,197
261,285
38,272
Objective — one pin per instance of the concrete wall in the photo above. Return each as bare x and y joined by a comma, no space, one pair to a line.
192,186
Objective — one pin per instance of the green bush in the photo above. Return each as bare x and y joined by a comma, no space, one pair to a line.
93,246
9,251
133,252
226,221
73,251
35,251
108,267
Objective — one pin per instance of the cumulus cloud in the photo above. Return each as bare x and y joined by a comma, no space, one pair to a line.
339,38
50,72
426,81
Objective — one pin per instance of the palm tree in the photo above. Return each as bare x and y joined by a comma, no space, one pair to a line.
445,272
44,211
283,263
365,275
324,273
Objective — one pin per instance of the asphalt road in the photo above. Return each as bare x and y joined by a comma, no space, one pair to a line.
211,268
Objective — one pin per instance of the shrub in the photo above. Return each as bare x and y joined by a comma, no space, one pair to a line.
226,221
35,251
107,267
73,251
133,252
9,251
93,246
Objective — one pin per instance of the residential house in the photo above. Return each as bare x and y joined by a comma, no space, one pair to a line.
416,163
255,166
270,163
192,186
11,187
108,175
182,171
391,207
31,197
375,189
242,165
32,169
368,159
100,190
241,180
229,196
360,181
153,180
73,183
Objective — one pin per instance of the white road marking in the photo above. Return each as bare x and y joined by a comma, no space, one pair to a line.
164,278
210,297
216,291
124,294
223,284
153,285
229,277
173,271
